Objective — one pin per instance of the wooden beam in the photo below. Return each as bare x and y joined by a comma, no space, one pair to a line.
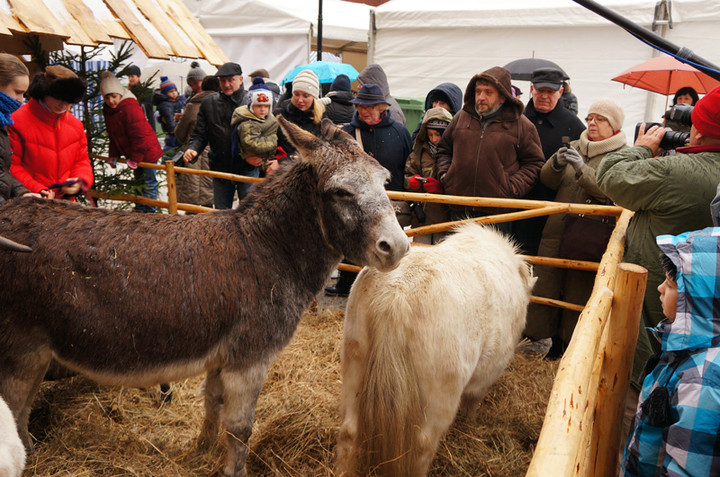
37,18
68,23
194,30
162,21
89,22
130,16
8,24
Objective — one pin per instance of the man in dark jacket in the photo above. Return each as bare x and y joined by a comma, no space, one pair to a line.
552,121
213,128
490,149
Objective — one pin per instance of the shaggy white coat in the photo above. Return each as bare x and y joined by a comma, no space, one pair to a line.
439,329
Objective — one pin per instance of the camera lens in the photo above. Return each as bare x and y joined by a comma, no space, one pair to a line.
671,139
674,139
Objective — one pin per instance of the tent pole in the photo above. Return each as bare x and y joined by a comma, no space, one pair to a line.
371,39
319,36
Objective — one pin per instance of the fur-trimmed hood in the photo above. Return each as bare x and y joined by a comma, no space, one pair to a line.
58,82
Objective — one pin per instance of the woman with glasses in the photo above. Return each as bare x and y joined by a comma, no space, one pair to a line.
571,171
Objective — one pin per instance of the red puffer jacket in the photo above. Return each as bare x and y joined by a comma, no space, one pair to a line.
47,148
130,133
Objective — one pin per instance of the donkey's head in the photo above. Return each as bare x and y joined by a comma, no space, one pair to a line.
356,213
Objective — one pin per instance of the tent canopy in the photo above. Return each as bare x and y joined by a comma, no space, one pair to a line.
277,34
422,43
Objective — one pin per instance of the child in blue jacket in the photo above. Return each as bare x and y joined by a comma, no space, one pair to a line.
675,431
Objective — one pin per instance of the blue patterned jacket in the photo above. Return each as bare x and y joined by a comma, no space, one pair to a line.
689,367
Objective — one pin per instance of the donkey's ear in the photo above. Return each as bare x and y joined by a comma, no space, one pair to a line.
304,141
330,132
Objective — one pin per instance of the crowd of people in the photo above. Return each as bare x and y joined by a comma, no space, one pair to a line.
484,142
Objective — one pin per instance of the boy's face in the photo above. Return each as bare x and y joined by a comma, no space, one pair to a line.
195,86
112,100
439,103
668,297
260,110
133,80
172,94
434,136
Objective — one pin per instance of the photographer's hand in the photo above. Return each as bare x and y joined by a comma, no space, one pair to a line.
650,139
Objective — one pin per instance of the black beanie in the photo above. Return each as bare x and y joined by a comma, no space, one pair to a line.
340,83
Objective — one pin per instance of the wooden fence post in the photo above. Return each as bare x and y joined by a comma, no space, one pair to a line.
614,381
172,188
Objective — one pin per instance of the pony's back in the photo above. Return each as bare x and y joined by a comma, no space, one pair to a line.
442,325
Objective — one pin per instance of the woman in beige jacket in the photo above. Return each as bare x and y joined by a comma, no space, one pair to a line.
571,171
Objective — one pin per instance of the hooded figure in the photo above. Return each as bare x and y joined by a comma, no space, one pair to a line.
422,162
675,429
448,93
490,153
340,110
376,75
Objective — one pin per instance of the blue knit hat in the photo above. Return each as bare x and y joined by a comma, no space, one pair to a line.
166,85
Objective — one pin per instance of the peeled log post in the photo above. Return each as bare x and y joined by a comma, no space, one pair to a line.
563,432
615,373
171,187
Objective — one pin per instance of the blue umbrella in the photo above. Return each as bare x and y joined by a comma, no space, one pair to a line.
326,71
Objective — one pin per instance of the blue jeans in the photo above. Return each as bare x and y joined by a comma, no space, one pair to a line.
150,190
224,189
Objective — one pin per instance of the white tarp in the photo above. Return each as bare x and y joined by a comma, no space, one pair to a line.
421,43
276,34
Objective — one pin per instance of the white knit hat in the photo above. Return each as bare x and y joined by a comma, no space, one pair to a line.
610,110
308,82
110,84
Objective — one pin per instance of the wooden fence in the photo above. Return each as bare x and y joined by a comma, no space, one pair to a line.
581,430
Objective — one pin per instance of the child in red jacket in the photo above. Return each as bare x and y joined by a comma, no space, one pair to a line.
130,134
49,146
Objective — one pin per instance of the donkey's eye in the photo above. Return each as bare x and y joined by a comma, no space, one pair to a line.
342,193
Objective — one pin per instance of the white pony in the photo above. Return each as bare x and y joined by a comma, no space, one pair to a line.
438,329
12,451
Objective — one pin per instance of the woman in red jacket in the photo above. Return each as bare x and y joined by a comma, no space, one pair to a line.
49,145
130,134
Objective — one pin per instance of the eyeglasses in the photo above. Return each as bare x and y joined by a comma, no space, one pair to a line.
597,119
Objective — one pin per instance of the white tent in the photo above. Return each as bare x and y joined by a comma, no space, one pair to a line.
277,34
421,43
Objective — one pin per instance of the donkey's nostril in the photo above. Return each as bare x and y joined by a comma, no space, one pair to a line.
383,246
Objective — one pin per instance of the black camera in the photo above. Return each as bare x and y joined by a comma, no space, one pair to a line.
671,139
680,113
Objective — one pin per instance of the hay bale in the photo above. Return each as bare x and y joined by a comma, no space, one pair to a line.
85,429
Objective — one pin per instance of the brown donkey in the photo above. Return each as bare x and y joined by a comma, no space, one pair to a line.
93,292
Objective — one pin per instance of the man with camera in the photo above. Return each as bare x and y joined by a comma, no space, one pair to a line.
670,194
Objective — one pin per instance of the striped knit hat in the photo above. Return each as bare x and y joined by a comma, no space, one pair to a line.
166,85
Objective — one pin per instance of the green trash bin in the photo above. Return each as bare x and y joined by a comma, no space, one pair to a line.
413,109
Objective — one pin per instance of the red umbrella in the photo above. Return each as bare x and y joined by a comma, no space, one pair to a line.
666,75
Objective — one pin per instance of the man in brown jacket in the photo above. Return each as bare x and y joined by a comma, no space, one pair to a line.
490,149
